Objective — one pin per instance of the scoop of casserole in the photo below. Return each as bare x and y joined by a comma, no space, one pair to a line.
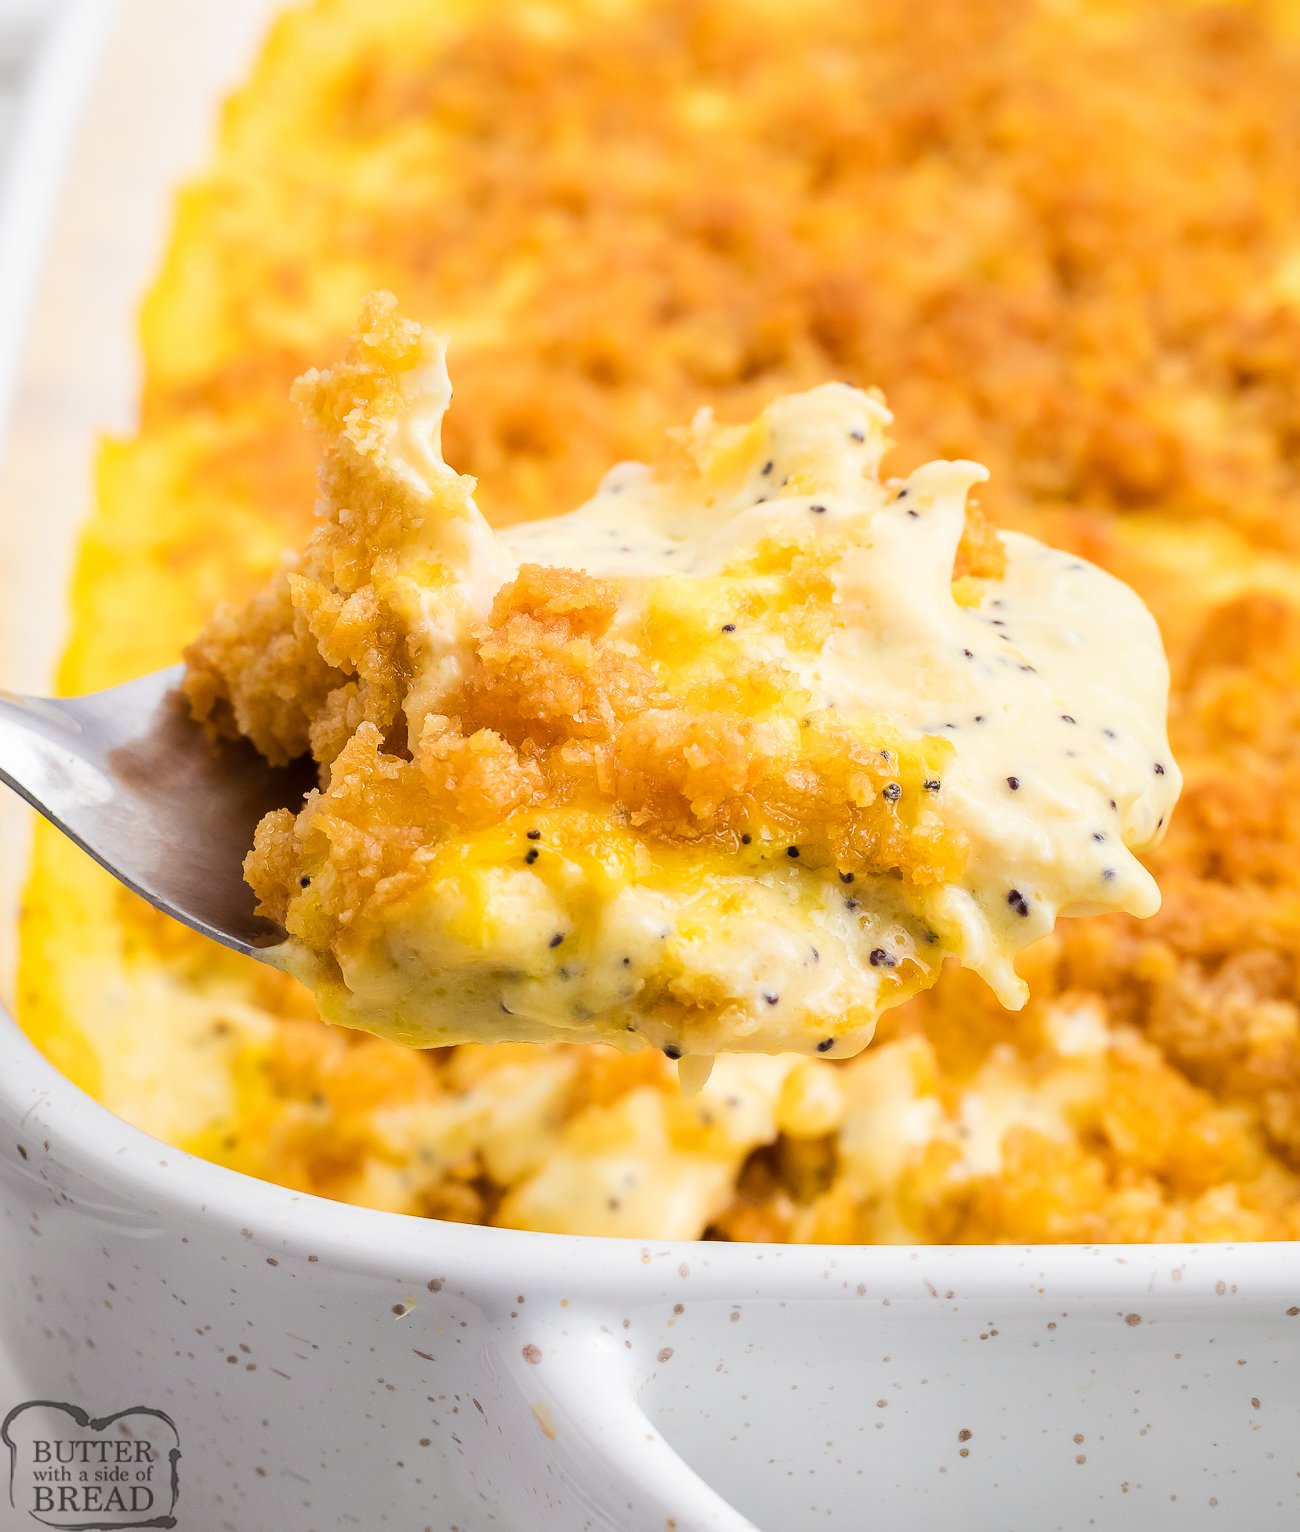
731,758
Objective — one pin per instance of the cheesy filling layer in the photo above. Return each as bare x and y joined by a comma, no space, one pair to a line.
732,758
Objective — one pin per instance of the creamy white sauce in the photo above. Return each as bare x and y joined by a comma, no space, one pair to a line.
1052,690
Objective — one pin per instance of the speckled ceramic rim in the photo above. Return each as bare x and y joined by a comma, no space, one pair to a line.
36,1099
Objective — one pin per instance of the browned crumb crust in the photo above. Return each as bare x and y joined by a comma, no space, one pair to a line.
258,672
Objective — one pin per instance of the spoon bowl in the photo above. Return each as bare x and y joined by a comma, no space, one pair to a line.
131,778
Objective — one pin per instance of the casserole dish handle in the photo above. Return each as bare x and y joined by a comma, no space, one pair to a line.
592,1430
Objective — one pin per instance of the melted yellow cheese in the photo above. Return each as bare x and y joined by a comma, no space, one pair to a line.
725,760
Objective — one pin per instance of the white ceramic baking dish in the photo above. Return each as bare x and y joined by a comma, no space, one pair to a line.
327,1367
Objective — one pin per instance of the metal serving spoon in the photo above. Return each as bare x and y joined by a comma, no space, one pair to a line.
132,779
